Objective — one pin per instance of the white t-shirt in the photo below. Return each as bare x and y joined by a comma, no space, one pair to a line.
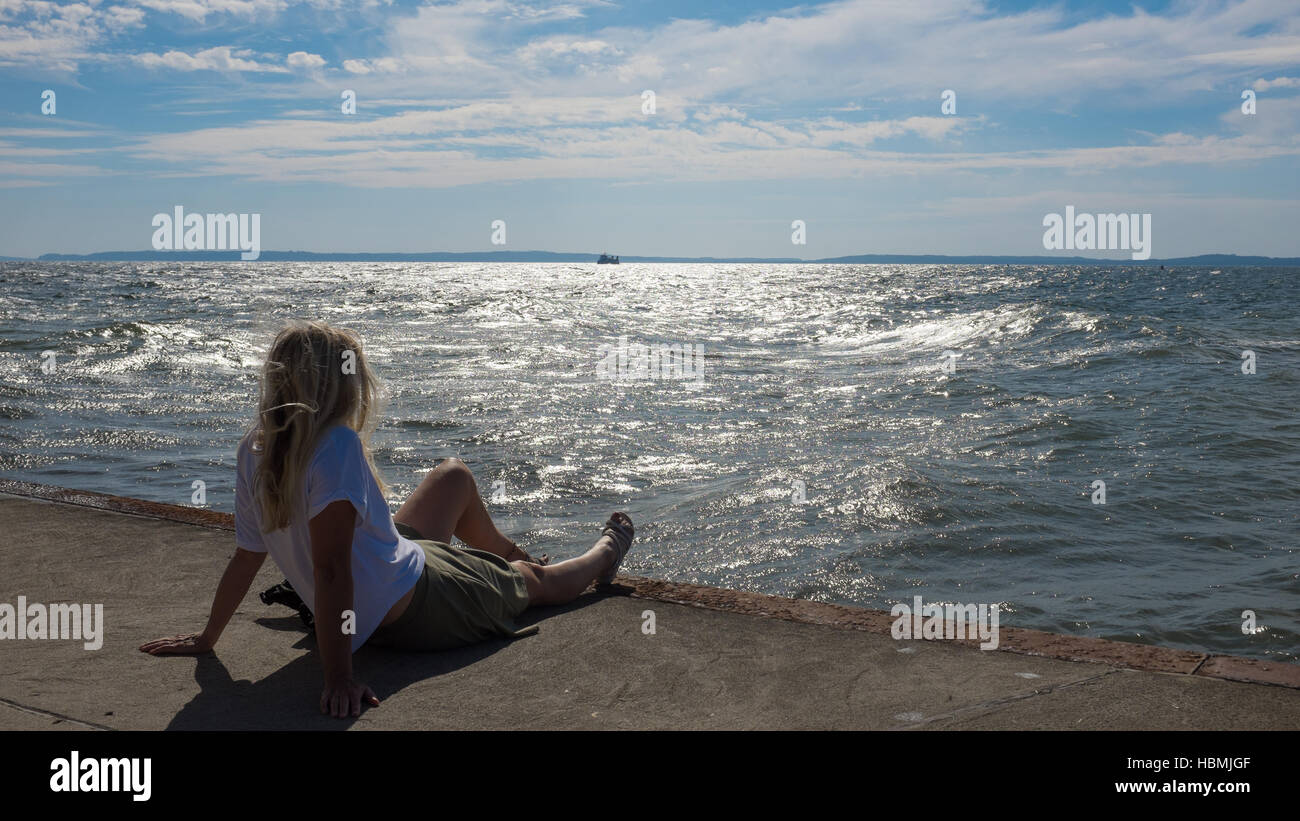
385,565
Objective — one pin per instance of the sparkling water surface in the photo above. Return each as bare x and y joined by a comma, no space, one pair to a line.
821,381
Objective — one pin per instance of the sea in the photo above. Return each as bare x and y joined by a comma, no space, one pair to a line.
1100,451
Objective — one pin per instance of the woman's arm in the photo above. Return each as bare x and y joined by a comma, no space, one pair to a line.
331,556
231,590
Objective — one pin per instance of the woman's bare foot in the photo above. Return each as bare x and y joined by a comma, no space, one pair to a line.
617,534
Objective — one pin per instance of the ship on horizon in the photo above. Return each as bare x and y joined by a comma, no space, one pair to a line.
606,259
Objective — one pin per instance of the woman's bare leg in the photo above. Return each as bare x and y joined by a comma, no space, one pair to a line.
562,582
446,504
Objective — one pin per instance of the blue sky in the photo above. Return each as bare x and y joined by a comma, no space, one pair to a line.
530,111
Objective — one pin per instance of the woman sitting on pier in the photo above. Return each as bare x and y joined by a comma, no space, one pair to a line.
307,492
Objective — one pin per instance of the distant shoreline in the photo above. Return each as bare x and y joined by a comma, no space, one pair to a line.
550,256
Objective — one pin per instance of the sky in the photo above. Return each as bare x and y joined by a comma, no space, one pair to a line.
535,113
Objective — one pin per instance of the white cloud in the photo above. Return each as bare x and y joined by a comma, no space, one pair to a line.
302,59
58,37
199,10
709,113
596,138
218,58
122,17
557,47
382,65
731,98
1277,82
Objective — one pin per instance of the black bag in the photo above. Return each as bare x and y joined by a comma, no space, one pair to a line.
283,593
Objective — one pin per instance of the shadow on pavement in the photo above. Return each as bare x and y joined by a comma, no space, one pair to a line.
288,699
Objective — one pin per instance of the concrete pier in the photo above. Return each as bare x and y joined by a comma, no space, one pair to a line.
718,659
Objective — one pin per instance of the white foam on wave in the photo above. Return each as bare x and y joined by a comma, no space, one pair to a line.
955,331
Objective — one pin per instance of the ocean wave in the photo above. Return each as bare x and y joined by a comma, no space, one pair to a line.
822,382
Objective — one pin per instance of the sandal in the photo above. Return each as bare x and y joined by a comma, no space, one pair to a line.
620,530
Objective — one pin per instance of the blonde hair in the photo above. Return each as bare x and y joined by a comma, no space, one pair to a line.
309,383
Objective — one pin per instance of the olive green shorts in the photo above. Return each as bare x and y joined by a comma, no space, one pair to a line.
464,596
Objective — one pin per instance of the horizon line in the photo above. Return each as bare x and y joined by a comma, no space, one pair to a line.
567,256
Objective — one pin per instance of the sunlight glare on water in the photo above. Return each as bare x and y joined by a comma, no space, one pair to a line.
820,381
